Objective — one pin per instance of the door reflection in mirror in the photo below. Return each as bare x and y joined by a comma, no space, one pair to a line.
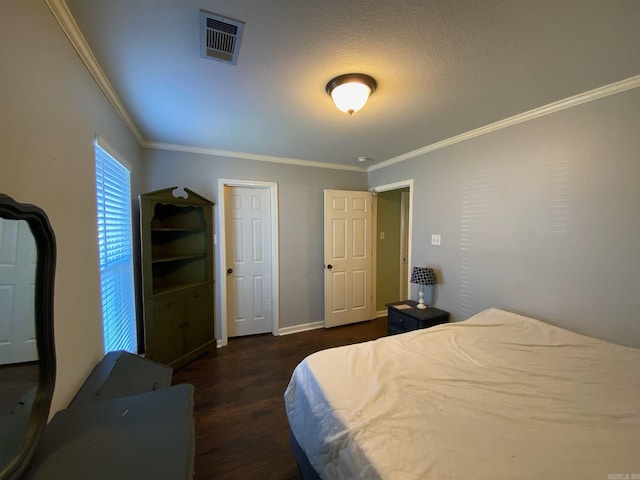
17,284
18,346
27,346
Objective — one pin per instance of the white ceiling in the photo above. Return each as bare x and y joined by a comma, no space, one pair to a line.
443,67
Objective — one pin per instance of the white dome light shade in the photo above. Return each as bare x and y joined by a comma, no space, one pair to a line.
350,97
350,92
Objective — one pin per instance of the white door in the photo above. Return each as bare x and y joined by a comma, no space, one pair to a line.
348,257
17,290
248,262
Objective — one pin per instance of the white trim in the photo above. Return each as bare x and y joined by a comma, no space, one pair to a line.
275,249
398,186
112,151
72,31
591,95
250,156
301,328
381,313
68,24
393,186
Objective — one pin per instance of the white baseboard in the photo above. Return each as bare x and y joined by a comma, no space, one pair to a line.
300,328
288,330
381,313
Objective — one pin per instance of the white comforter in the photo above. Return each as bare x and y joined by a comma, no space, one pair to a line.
498,396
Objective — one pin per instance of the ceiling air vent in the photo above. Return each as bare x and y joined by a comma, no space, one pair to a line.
220,37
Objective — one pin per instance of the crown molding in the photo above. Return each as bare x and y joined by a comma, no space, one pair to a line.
72,31
250,156
590,96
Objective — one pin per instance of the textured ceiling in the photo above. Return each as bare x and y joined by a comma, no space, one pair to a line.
443,67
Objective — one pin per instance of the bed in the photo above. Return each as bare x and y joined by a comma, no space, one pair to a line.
498,396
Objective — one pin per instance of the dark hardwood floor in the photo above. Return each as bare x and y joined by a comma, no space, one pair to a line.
241,425
16,380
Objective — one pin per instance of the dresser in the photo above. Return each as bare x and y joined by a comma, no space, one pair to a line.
404,317
126,422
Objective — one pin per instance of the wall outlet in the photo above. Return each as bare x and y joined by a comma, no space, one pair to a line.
435,239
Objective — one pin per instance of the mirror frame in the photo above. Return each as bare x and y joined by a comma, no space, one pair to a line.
43,311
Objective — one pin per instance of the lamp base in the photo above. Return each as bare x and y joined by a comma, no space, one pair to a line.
421,304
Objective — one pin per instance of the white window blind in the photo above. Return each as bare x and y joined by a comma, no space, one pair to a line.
113,187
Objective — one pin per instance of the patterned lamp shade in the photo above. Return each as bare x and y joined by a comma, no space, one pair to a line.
423,276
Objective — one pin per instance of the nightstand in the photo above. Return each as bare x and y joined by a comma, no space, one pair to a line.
401,320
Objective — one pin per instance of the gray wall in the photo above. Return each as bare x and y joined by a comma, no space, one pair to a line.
301,216
50,110
541,218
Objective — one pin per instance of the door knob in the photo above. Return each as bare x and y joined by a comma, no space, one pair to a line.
329,266
229,270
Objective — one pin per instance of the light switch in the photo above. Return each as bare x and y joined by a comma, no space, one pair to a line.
381,235
435,239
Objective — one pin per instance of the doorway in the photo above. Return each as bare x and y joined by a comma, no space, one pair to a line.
393,243
248,258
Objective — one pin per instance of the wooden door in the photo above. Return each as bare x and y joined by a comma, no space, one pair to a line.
348,255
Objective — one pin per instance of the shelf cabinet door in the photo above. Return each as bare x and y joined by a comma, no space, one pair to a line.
164,335
199,311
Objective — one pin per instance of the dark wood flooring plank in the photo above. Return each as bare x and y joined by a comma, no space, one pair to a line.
241,425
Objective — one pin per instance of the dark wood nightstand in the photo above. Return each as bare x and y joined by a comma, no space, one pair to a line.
401,320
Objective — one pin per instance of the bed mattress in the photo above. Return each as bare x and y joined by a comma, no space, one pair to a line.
498,396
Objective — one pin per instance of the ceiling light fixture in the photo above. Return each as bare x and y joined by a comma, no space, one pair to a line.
351,91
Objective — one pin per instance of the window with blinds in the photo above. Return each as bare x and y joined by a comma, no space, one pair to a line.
113,187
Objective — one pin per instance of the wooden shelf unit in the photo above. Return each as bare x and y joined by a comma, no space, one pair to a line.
177,276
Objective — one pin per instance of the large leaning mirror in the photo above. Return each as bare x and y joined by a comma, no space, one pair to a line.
27,354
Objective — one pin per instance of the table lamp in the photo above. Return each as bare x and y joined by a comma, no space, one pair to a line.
423,276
